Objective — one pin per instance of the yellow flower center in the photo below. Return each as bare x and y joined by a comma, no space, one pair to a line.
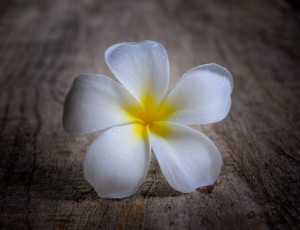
150,115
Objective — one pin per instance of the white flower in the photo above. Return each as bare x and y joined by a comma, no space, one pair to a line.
139,115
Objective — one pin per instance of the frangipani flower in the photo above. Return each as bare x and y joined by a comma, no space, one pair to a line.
139,115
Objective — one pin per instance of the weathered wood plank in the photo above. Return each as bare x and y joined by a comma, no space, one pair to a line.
45,44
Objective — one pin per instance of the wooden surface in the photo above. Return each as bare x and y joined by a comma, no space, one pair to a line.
45,44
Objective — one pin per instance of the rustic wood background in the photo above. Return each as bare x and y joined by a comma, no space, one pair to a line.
45,44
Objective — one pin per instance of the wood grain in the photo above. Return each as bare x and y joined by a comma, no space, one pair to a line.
45,44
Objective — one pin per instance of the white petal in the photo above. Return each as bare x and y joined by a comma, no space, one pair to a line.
201,96
116,164
187,158
95,102
142,67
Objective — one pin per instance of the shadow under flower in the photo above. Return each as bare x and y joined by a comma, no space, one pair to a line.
67,183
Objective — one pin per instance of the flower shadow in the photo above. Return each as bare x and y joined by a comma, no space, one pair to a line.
156,184
68,183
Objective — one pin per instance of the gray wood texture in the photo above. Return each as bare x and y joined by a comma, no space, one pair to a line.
45,44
